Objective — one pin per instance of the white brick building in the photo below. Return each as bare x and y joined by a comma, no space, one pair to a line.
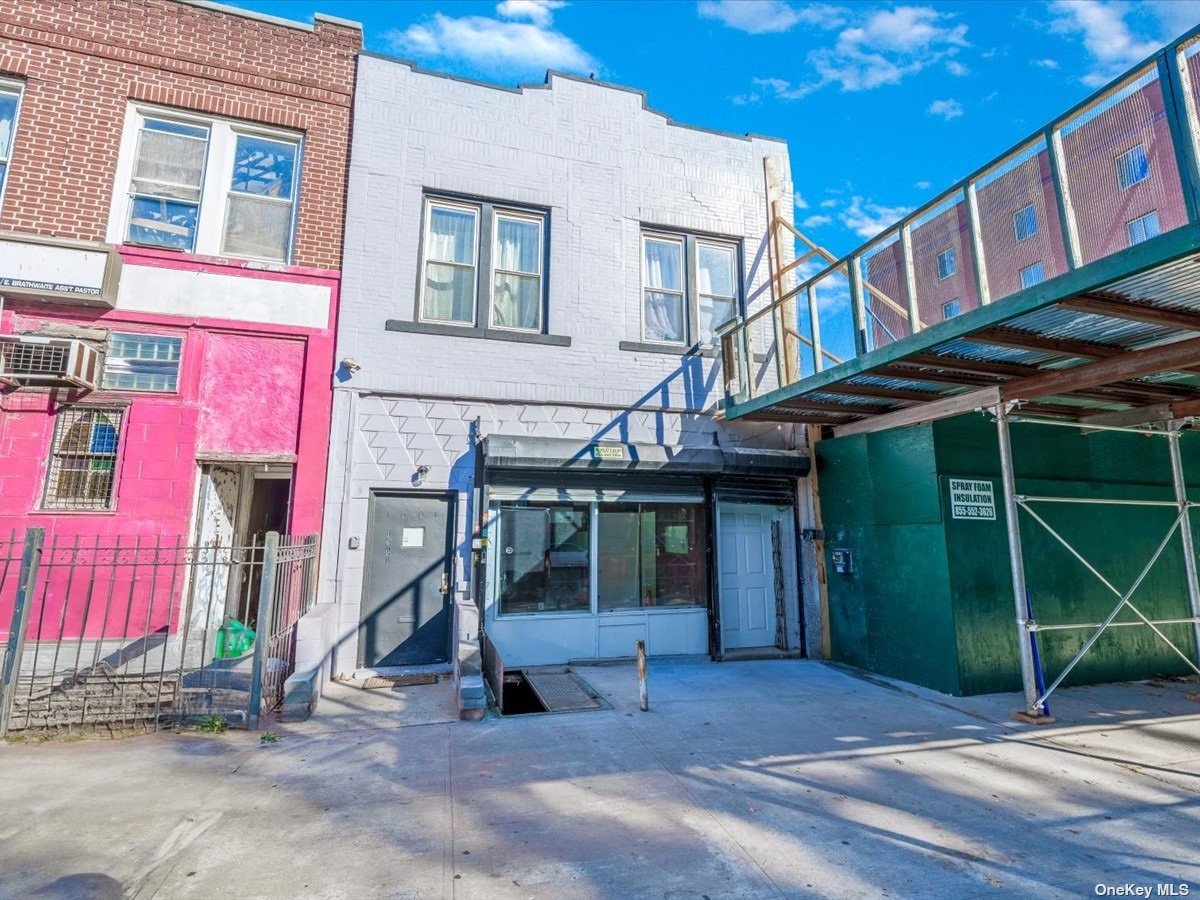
530,281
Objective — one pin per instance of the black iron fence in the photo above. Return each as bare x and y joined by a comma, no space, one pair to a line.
124,633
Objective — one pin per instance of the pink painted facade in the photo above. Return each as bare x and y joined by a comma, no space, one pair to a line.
250,291
247,392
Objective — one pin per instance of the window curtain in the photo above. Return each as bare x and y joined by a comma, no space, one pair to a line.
517,298
450,289
664,291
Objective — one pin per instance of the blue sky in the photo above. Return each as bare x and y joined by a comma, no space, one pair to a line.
882,104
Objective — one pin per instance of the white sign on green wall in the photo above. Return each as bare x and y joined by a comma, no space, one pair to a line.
972,499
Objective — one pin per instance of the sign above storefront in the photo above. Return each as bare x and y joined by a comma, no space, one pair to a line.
609,451
42,268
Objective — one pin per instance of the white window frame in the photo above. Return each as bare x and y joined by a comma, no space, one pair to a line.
498,213
427,220
215,186
1016,232
7,86
952,269
1141,221
689,244
693,329
1117,162
686,325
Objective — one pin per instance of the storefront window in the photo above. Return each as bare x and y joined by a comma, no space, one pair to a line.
544,558
651,555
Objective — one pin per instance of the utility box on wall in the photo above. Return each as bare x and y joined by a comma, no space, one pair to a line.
920,513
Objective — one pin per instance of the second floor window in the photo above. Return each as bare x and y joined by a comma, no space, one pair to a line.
950,309
475,252
210,186
9,99
690,287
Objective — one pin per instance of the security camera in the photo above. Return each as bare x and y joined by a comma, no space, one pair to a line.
350,364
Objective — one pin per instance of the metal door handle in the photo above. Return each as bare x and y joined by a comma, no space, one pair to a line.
445,583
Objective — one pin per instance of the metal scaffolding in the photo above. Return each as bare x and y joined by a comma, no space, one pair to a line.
1028,627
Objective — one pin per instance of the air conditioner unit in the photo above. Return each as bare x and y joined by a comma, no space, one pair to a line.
28,361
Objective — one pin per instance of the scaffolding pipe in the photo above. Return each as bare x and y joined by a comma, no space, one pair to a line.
1025,637
1185,531
1184,621
1101,501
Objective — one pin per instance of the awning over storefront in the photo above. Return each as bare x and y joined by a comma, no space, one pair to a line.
539,454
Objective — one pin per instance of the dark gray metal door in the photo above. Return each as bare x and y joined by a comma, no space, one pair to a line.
406,595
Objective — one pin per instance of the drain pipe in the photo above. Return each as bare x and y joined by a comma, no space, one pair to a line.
643,690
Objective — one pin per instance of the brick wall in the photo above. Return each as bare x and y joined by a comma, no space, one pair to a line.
82,61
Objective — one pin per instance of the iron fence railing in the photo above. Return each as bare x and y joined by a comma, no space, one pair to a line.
140,632
1119,169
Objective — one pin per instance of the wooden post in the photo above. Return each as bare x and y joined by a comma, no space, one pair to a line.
643,691
784,315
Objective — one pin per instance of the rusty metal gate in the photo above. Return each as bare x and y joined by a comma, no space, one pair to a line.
118,633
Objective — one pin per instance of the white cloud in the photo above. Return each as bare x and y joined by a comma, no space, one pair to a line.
495,46
867,218
1175,16
1046,63
828,204
880,49
947,109
770,16
539,12
817,221
1106,34
957,69
923,185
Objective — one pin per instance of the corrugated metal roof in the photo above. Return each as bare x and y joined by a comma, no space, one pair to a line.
1050,337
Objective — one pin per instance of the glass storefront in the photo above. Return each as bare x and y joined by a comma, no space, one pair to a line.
554,557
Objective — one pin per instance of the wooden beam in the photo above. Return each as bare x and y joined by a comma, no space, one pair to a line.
1136,363
887,393
850,409
1145,415
923,413
975,366
1134,311
900,370
798,418
1024,340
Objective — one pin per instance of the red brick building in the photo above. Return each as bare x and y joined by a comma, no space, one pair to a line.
172,182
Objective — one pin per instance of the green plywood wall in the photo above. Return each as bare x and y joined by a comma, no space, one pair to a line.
930,598
892,613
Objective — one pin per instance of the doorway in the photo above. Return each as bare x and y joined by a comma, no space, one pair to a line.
238,503
756,575
405,615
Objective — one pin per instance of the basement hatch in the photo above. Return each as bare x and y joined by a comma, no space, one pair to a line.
528,692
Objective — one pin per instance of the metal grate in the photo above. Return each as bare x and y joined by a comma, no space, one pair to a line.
83,460
27,358
561,691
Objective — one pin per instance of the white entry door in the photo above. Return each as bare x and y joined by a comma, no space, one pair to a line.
747,581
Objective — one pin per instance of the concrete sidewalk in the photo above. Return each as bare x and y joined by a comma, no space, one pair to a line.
754,779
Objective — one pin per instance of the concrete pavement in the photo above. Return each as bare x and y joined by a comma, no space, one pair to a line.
752,779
